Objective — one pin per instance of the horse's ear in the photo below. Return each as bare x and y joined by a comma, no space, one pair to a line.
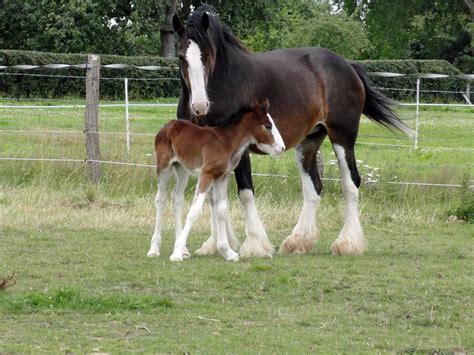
178,25
205,21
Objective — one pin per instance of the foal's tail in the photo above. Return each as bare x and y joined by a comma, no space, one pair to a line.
378,108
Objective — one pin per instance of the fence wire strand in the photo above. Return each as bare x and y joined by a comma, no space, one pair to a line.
410,183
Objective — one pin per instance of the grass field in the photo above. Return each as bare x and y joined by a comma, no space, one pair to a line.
84,283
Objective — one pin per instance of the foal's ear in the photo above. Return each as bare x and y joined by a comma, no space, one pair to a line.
205,21
178,25
266,104
261,107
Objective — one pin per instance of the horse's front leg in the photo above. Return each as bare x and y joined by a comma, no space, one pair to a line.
257,243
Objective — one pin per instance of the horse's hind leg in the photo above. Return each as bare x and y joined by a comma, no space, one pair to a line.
160,202
351,238
305,232
182,178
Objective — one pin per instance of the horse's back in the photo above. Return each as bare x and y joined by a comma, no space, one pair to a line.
313,77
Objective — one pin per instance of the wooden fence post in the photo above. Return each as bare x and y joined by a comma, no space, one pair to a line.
91,119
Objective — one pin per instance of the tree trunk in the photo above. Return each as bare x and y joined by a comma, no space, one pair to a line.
470,6
167,35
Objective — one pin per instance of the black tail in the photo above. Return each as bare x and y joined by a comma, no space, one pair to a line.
378,107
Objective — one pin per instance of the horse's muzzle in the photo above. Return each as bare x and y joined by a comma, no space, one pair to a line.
200,108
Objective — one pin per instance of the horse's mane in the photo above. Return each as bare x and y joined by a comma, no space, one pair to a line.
217,38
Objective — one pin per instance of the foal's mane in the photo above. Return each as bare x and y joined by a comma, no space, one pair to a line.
235,118
217,39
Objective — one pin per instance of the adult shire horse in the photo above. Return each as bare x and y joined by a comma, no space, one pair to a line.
313,93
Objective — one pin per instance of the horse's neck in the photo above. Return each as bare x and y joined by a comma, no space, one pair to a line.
233,84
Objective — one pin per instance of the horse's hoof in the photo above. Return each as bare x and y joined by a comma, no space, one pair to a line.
344,246
207,248
257,248
296,244
350,241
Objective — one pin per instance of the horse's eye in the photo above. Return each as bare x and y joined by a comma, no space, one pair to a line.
268,126
181,58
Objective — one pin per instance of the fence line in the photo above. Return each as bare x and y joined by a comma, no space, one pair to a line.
83,77
128,134
84,106
408,183
86,66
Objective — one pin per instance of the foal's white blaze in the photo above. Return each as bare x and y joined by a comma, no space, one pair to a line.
351,239
278,146
199,101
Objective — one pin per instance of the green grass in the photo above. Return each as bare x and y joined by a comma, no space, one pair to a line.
84,283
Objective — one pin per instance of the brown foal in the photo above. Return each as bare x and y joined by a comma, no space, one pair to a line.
212,153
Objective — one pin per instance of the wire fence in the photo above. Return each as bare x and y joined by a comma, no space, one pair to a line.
128,134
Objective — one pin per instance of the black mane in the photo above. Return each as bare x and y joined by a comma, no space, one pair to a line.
233,118
217,39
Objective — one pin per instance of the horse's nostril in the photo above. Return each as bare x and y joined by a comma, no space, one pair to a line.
197,112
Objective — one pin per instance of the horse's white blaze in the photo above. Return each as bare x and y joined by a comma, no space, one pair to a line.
276,148
257,242
199,101
351,239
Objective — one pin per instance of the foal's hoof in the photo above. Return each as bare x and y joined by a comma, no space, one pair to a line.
153,252
186,253
296,244
176,257
233,258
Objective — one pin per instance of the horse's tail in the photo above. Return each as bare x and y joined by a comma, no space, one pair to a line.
378,108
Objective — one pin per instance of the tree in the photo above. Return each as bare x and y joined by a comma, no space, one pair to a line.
312,24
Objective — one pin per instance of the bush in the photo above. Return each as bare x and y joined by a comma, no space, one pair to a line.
31,85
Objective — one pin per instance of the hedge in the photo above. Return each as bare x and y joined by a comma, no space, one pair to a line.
49,87
27,86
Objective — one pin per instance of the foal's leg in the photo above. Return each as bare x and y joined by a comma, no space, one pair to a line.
306,232
182,178
257,242
160,202
195,211
351,239
221,208
209,247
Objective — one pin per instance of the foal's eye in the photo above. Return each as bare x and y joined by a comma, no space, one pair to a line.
268,126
